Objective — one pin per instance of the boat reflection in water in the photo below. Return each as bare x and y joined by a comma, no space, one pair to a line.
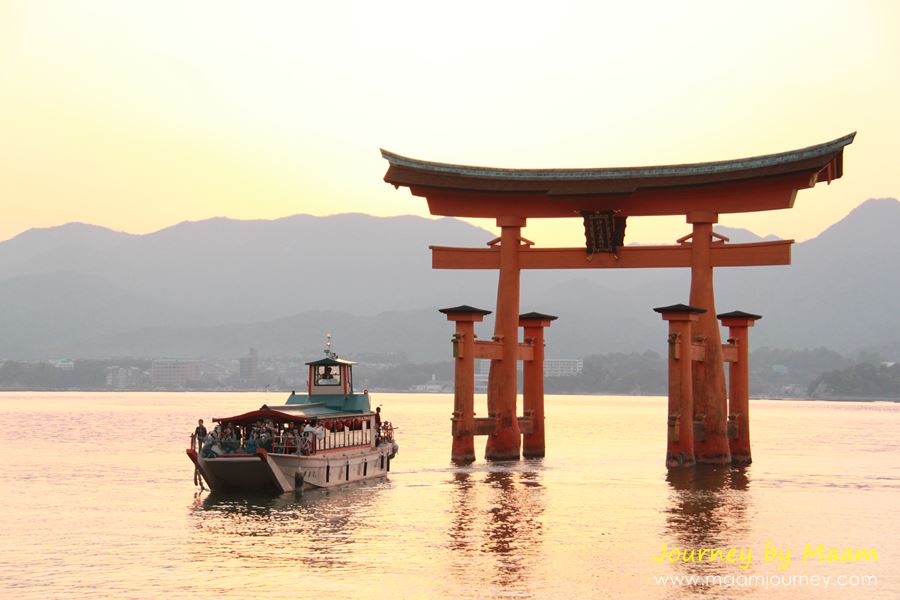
315,529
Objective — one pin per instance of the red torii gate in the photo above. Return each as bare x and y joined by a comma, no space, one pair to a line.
700,192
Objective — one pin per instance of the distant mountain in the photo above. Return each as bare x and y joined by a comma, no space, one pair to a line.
47,309
841,291
216,287
225,270
737,235
422,335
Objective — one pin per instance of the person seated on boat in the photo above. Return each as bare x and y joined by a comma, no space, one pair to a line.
265,440
251,445
278,443
282,440
230,442
209,445
306,434
304,445
289,440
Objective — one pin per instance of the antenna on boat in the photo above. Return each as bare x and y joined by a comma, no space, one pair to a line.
328,350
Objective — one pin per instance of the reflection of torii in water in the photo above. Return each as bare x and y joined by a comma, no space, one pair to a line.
705,504
604,198
511,531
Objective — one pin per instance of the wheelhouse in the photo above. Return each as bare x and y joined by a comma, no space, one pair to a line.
330,376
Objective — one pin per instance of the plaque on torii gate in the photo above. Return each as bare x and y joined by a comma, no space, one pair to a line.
604,198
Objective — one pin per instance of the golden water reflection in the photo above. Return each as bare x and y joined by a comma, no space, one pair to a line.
315,529
508,532
707,509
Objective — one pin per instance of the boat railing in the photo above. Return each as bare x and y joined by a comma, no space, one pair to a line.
329,437
345,438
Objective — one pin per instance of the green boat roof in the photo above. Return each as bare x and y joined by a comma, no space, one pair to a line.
330,362
316,409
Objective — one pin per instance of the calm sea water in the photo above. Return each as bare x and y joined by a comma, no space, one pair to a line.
98,501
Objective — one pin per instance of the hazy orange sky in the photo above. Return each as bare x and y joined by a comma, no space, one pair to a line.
136,116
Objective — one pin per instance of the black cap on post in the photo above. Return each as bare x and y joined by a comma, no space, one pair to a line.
679,308
464,309
739,314
536,316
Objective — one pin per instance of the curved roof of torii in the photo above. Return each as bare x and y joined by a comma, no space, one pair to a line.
461,190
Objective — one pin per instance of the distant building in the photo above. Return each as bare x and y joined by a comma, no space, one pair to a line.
553,367
563,367
124,378
249,368
433,386
482,369
173,373
63,365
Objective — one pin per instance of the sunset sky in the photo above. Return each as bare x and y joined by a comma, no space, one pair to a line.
139,115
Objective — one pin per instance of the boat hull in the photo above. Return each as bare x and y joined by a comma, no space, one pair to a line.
292,472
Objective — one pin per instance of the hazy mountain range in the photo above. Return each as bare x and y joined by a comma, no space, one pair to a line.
214,288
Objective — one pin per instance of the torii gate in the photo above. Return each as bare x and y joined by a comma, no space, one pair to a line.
604,198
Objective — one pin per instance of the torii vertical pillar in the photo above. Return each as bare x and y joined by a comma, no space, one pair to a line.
738,323
533,383
506,441
463,421
710,402
680,436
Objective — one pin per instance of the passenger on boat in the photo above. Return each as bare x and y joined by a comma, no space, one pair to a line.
290,440
377,425
209,442
250,447
265,440
307,443
230,442
199,434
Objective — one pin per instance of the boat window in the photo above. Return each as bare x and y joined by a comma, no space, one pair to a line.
328,375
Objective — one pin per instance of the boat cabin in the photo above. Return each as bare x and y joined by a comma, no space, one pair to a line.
330,376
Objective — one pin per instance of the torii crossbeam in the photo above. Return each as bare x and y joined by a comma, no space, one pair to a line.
700,192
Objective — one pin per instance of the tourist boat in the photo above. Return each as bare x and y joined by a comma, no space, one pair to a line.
321,439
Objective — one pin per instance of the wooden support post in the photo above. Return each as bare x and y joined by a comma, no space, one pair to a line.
505,442
680,424
463,421
710,402
738,323
533,375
